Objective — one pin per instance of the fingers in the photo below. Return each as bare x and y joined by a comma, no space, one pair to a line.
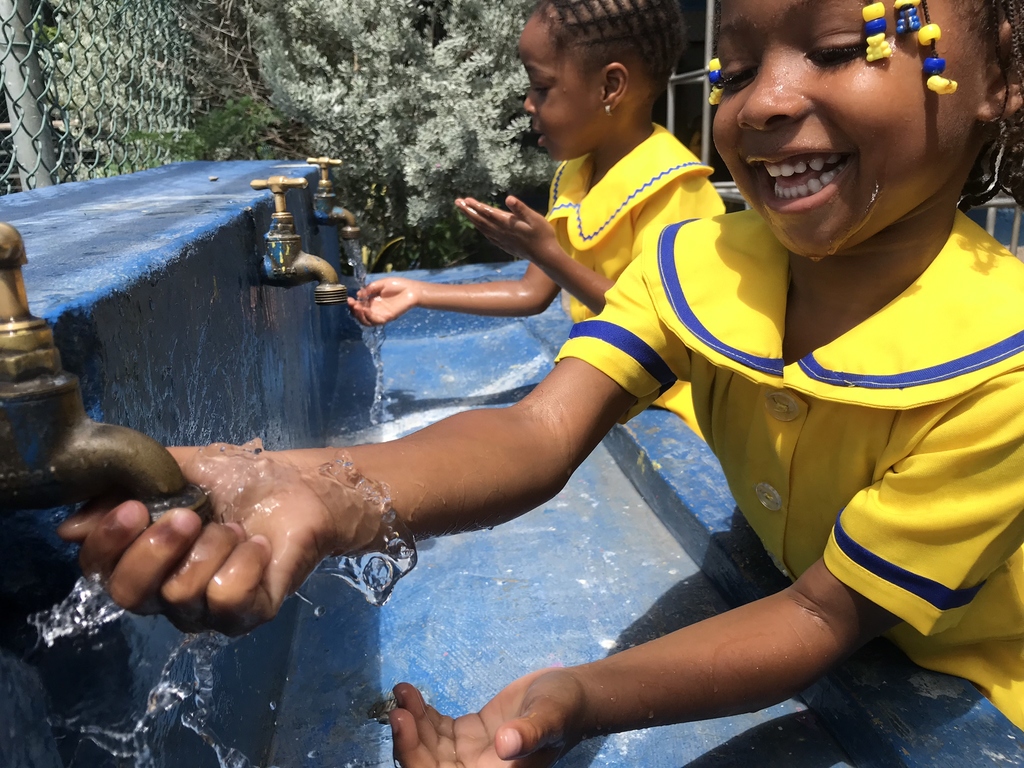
550,702
237,597
409,750
543,725
184,591
136,567
79,525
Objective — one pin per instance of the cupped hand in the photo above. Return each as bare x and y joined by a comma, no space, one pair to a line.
529,724
520,231
273,522
384,300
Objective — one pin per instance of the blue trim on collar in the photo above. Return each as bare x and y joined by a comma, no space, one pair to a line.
676,297
631,344
939,595
966,364
576,206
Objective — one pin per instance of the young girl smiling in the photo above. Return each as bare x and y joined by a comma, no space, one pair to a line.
856,350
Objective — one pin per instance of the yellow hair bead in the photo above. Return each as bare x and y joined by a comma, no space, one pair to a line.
928,34
714,64
716,97
878,48
874,11
941,85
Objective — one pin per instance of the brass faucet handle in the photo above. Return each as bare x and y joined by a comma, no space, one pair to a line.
325,163
279,185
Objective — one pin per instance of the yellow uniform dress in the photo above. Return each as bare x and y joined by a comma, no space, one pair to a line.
895,451
658,183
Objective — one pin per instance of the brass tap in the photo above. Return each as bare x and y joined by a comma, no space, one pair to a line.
285,262
51,453
325,203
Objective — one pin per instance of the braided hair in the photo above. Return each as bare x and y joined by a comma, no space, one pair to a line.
650,32
1000,164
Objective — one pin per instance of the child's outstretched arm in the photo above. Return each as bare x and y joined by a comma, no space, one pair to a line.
473,470
525,234
391,297
743,660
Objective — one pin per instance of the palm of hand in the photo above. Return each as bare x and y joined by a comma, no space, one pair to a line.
518,714
382,302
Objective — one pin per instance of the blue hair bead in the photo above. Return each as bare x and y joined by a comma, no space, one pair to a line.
715,76
933,65
874,27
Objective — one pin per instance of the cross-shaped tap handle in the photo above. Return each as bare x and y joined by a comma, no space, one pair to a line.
279,185
325,163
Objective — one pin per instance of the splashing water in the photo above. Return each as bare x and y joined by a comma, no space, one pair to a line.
81,614
376,571
373,337
245,482
194,697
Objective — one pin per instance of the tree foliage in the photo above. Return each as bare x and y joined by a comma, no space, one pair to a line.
421,99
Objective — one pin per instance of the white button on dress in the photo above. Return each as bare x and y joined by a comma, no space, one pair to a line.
768,496
782,405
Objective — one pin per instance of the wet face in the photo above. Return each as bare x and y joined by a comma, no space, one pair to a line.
565,101
833,150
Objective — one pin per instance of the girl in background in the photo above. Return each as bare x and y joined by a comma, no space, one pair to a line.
594,79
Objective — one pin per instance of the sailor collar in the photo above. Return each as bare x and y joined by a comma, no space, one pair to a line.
591,215
723,292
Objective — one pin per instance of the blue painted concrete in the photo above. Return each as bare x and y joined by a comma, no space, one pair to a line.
151,283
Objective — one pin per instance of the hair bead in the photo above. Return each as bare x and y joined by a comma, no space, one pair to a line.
934,66
875,27
907,18
929,34
715,78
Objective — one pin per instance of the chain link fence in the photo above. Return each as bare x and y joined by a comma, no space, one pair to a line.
91,88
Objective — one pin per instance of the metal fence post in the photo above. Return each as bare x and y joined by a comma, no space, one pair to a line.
25,89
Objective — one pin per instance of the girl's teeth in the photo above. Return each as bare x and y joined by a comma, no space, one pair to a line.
774,170
787,169
800,167
812,186
832,159
817,164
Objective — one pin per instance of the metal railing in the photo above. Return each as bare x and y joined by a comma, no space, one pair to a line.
91,88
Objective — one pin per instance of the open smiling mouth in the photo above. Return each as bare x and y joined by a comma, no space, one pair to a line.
805,175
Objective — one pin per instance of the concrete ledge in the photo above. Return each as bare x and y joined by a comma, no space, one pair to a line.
884,710
151,281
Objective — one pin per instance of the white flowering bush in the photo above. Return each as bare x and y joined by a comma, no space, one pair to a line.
421,99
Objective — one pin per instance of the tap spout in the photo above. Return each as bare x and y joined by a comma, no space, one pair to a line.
325,203
51,453
285,262
328,290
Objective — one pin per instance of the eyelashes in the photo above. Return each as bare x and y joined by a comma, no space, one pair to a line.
824,58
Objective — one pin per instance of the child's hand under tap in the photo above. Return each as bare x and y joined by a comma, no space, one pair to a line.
520,231
274,520
529,724
384,300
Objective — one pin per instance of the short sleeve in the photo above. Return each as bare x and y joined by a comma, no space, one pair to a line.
922,541
629,342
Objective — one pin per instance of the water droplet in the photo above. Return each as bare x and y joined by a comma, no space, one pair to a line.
319,611
273,706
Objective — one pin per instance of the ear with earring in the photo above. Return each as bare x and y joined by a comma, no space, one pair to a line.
608,109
